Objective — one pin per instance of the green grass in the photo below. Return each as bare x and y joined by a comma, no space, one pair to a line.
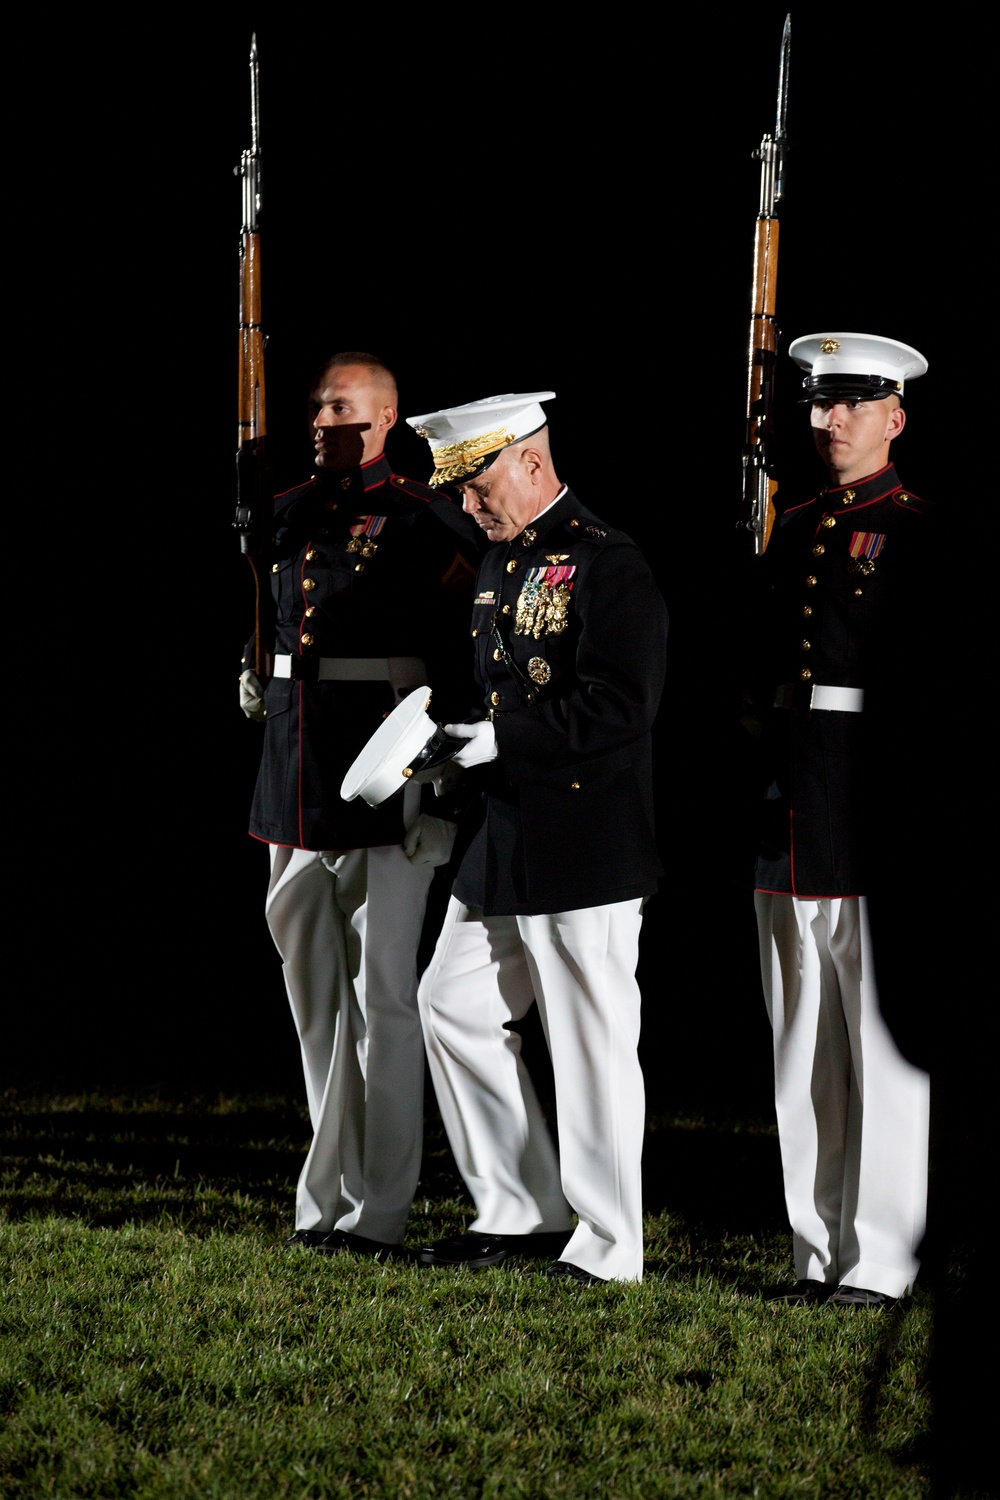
158,1339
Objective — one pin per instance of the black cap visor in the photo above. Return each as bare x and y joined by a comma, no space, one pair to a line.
849,388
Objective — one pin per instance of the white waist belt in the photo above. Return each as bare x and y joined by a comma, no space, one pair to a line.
842,700
408,671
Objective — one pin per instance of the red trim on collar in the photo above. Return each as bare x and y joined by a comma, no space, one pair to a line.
856,483
378,459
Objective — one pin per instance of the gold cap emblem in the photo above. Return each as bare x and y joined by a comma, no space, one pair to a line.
829,346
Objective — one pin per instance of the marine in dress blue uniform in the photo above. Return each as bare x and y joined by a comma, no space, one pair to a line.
370,584
852,1112
569,634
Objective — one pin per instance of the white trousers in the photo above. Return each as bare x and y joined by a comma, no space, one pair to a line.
580,968
347,927
852,1112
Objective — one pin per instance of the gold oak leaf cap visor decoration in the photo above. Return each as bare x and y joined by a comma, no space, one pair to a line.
465,440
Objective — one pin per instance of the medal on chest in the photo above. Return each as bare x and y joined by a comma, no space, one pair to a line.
865,547
543,604
363,534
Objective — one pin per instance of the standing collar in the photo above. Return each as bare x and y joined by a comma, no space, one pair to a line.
565,504
873,487
375,471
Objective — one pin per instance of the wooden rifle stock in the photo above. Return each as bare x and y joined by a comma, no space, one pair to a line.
761,359
759,484
253,505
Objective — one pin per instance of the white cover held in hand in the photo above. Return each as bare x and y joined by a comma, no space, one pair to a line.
482,742
429,841
252,697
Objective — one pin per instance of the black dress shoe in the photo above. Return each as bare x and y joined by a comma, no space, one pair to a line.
802,1294
478,1250
564,1270
358,1244
859,1296
309,1239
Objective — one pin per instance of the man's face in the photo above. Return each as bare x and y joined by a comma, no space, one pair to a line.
502,500
852,437
353,412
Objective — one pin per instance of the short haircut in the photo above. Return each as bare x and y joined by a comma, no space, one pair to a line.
371,362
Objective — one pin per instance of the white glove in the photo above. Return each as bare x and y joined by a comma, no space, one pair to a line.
429,841
482,742
252,697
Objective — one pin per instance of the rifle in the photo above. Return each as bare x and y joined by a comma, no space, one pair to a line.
759,485
253,502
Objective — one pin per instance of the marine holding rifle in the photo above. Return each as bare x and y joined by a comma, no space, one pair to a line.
844,577
369,593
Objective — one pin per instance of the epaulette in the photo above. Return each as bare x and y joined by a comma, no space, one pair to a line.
907,500
296,489
578,527
795,510
412,487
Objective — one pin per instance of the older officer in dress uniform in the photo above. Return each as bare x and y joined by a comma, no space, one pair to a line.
369,586
569,633
852,1112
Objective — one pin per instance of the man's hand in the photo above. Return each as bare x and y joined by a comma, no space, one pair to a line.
252,697
481,746
429,841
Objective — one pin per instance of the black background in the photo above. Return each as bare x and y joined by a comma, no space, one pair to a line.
491,202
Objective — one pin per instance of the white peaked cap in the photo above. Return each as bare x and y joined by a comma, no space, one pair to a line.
863,365
406,742
466,439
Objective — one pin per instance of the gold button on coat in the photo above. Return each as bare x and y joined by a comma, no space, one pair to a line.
807,610
475,632
512,565
274,567
574,786
310,611
505,610
807,645
828,521
495,699
805,674
312,555
308,583
498,654
818,550
308,640
811,581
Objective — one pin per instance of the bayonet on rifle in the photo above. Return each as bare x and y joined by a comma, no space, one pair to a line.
759,484
253,515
